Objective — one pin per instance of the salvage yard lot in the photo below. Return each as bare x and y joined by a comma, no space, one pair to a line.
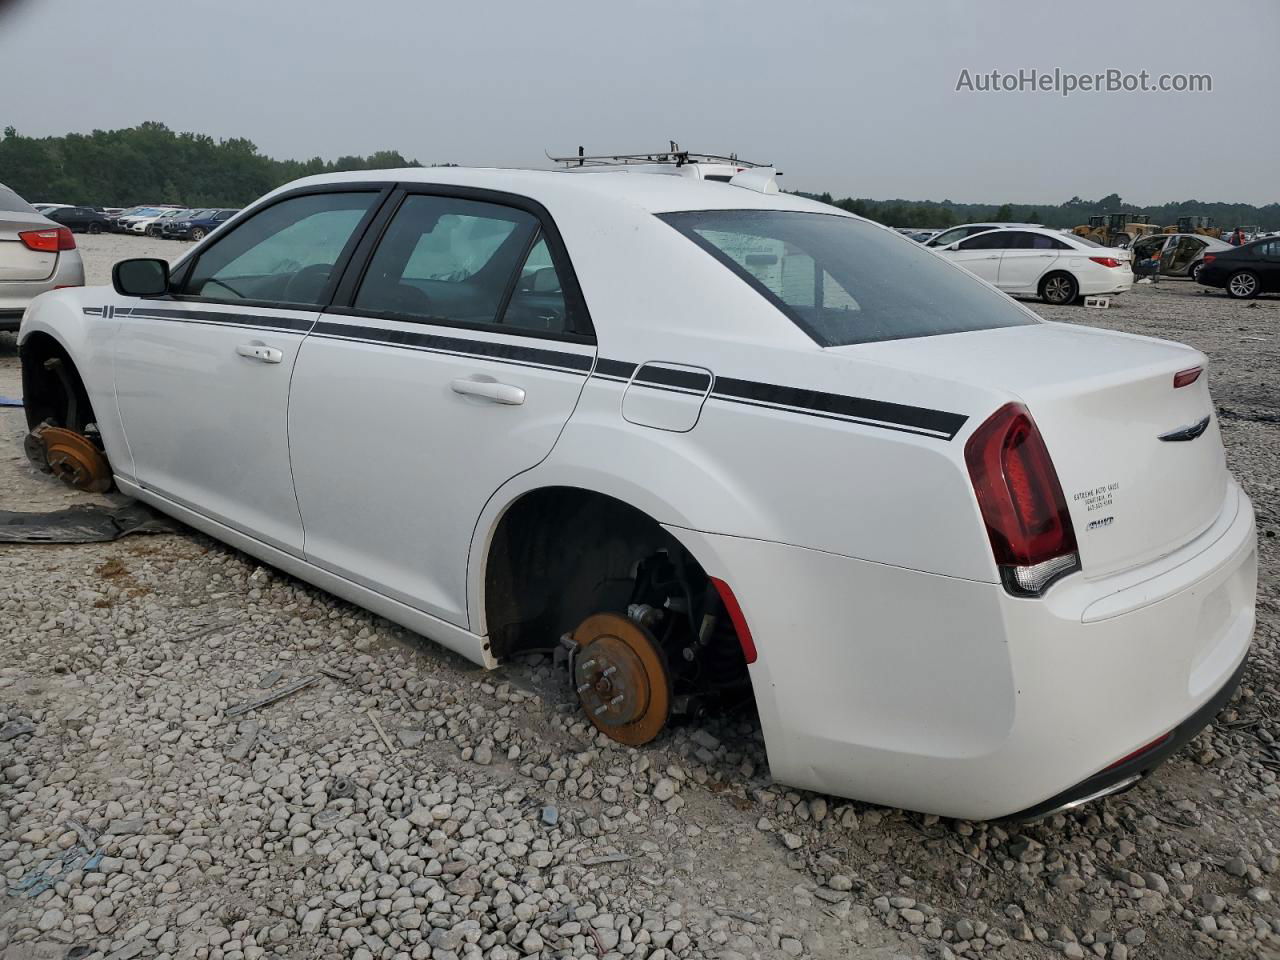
487,807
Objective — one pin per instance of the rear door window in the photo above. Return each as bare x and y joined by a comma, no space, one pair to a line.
994,240
460,261
843,280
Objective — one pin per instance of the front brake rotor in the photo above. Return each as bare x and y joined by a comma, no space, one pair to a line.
621,677
73,459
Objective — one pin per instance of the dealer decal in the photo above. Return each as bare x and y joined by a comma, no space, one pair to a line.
1101,497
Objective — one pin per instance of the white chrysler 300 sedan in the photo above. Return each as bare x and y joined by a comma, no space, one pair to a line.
722,443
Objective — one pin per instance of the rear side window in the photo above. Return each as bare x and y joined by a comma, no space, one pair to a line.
843,280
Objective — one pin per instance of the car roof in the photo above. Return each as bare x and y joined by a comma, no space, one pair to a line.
1001,225
653,192
1025,228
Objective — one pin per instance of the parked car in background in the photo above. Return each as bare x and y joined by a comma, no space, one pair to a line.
1244,272
36,255
197,226
1179,254
44,208
1037,262
126,221
152,226
952,234
714,438
80,219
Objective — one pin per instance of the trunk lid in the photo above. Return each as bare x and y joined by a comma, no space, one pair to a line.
17,261
1102,401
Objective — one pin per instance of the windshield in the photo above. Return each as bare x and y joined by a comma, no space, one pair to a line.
843,280
1085,241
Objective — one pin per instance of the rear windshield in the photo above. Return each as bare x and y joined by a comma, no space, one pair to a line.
843,280
10,202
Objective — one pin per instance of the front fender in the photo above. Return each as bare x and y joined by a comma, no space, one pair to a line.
76,319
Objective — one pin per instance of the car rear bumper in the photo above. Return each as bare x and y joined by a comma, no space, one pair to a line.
1127,773
1106,284
950,696
15,295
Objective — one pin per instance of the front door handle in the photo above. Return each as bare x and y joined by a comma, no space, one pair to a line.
260,351
489,390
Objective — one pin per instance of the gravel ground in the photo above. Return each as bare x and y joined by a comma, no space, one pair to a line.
408,805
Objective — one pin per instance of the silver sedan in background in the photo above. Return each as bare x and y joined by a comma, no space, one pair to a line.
36,255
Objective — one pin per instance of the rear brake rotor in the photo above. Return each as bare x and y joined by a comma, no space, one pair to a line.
73,459
621,677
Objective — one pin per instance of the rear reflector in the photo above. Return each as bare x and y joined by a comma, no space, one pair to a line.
1107,261
1184,378
1021,500
49,241
1140,751
737,619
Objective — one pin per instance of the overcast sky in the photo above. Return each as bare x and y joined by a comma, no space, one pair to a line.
857,98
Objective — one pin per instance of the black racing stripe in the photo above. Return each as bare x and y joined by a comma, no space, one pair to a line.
837,405
213,316
474,348
615,368
667,377
93,311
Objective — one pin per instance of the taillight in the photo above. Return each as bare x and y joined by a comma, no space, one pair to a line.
1184,378
1209,258
739,622
1107,261
49,241
1021,500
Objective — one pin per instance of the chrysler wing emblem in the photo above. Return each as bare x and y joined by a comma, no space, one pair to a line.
1186,433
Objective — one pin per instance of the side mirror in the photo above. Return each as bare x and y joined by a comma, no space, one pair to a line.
141,277
952,246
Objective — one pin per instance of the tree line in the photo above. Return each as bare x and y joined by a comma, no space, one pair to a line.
150,163
938,214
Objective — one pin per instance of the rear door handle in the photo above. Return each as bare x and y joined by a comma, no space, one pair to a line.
489,390
260,351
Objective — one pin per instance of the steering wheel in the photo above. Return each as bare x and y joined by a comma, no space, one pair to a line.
305,285
223,283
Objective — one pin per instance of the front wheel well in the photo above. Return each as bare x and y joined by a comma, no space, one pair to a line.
53,390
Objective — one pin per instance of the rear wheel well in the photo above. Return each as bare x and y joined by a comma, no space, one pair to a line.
53,390
1044,282
557,555
562,554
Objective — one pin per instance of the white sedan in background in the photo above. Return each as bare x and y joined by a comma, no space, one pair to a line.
724,444
1037,262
